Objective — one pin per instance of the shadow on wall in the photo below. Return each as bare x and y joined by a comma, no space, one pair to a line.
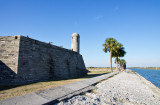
51,65
6,74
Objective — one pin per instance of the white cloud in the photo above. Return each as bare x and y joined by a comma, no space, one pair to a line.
99,17
75,22
116,9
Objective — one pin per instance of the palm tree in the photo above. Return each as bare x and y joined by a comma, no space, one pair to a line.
109,45
123,64
117,62
118,52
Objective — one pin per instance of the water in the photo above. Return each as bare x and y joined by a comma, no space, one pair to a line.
149,74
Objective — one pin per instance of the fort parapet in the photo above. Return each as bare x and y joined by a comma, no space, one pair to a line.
23,60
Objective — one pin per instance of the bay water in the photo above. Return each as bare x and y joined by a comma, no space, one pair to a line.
149,74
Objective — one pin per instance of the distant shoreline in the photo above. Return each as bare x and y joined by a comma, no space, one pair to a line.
108,68
154,68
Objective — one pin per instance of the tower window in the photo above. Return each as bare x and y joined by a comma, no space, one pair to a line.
16,37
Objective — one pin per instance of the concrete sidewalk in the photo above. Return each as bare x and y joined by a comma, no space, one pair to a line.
55,94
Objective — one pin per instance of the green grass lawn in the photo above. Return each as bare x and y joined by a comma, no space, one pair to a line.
11,91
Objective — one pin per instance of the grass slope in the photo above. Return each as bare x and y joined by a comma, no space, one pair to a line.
11,91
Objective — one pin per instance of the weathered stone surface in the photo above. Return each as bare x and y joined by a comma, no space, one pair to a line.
9,49
75,42
23,59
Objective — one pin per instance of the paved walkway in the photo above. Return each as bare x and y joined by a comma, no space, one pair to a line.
56,94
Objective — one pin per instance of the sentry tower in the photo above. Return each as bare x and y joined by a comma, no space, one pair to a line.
75,44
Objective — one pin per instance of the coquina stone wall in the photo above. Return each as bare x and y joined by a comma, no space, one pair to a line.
27,60
9,51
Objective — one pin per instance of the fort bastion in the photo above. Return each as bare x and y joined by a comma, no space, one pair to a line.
24,60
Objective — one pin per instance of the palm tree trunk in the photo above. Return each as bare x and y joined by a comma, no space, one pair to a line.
117,63
111,61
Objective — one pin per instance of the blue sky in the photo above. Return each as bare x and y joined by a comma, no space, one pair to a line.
134,23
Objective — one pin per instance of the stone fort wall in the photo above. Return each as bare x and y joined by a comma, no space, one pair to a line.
23,59
9,49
